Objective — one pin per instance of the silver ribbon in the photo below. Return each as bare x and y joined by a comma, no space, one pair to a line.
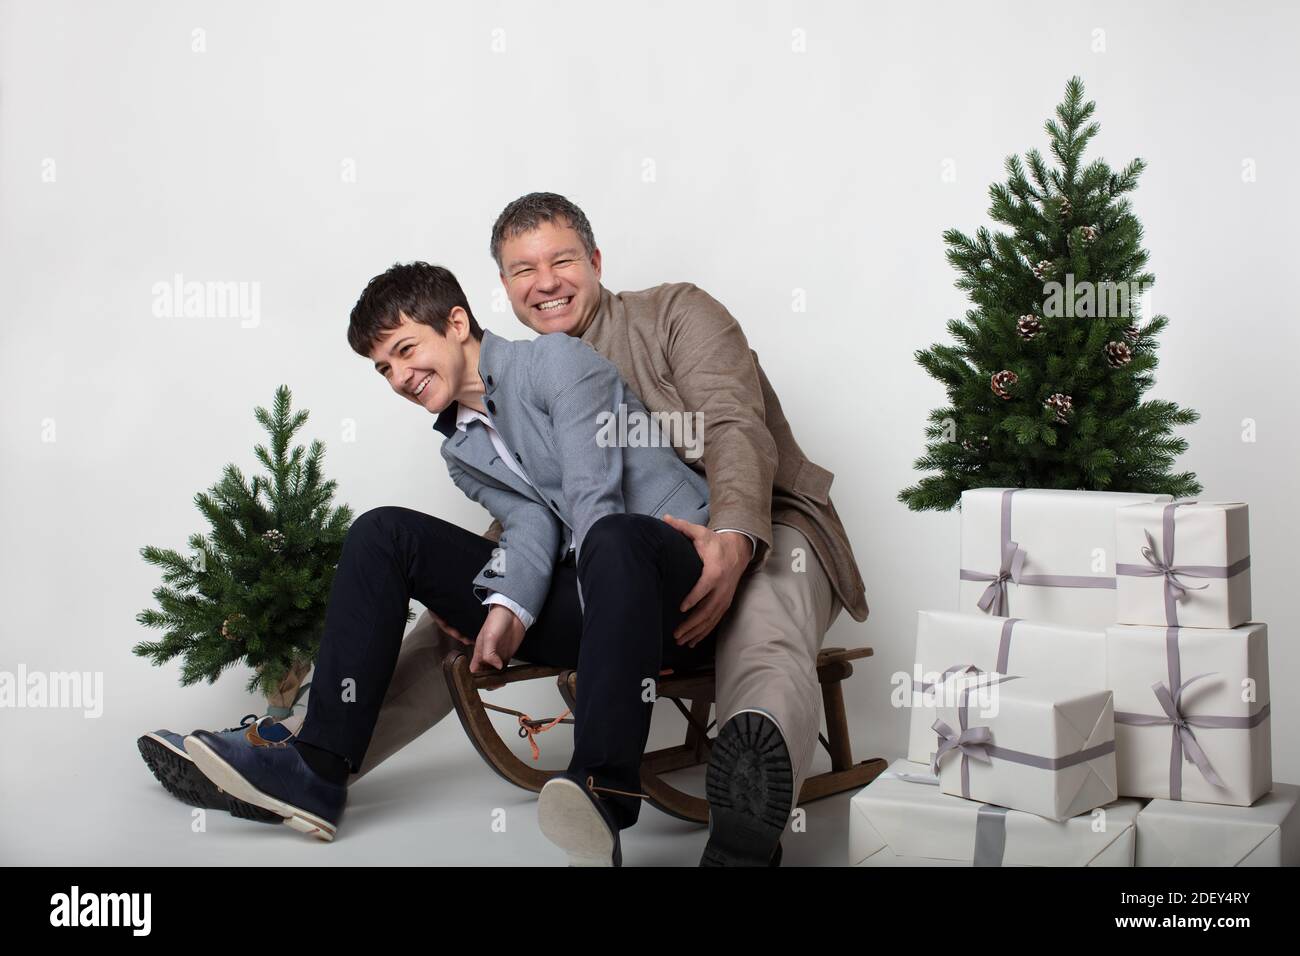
994,599
990,835
970,742
1004,644
948,672
1004,653
1156,566
1184,745
990,822
977,742
930,780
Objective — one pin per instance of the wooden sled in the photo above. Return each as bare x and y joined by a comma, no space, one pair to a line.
834,665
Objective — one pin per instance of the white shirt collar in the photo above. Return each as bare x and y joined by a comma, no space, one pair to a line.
465,415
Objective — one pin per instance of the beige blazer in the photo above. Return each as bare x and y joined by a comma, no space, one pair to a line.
681,351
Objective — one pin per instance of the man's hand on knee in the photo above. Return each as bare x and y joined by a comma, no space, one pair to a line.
725,555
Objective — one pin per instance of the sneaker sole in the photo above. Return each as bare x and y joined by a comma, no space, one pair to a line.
750,789
179,777
570,821
219,772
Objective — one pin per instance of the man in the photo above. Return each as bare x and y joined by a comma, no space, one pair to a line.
567,490
774,546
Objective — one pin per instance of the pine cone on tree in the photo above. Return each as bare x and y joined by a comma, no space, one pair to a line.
1044,269
225,627
274,538
1118,354
1062,406
1083,237
1002,383
1028,326
1132,333
1063,208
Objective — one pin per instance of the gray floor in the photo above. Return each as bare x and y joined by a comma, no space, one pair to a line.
75,792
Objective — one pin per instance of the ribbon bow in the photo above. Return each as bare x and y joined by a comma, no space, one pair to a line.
1174,586
1185,746
971,742
994,598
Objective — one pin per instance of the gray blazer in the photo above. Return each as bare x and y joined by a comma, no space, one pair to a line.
545,398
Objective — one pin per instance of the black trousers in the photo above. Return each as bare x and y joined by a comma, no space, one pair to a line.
634,572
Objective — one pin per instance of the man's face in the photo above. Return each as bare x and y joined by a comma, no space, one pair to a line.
554,286
422,366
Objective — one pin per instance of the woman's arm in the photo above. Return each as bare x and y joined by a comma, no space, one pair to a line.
523,562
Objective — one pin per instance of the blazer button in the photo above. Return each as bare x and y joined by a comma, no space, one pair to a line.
489,381
491,407
489,573
518,459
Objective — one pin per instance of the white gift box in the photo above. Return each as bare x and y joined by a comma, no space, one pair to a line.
903,819
1215,683
1178,833
1027,743
946,639
1041,554
1183,564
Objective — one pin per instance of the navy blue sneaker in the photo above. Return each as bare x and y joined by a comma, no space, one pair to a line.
164,753
575,819
750,788
272,776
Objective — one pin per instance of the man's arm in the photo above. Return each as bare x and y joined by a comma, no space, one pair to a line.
753,542
713,371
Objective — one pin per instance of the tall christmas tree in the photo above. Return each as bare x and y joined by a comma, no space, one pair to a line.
257,589
1046,377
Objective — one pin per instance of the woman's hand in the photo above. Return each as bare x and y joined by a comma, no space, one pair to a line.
498,639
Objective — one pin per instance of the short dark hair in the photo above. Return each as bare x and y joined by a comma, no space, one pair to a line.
528,212
423,293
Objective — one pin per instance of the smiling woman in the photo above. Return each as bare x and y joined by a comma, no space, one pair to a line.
432,369
414,322
416,292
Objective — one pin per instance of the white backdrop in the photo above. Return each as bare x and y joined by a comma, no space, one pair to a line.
752,148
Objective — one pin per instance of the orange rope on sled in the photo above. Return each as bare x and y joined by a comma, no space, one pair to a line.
528,727
531,728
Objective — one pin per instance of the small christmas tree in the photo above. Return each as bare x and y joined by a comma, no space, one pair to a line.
1046,377
256,590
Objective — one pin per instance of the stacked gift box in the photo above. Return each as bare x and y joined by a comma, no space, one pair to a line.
1099,698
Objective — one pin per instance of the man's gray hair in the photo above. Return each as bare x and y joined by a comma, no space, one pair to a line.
528,212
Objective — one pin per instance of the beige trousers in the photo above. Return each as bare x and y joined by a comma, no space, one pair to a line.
768,643
766,658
